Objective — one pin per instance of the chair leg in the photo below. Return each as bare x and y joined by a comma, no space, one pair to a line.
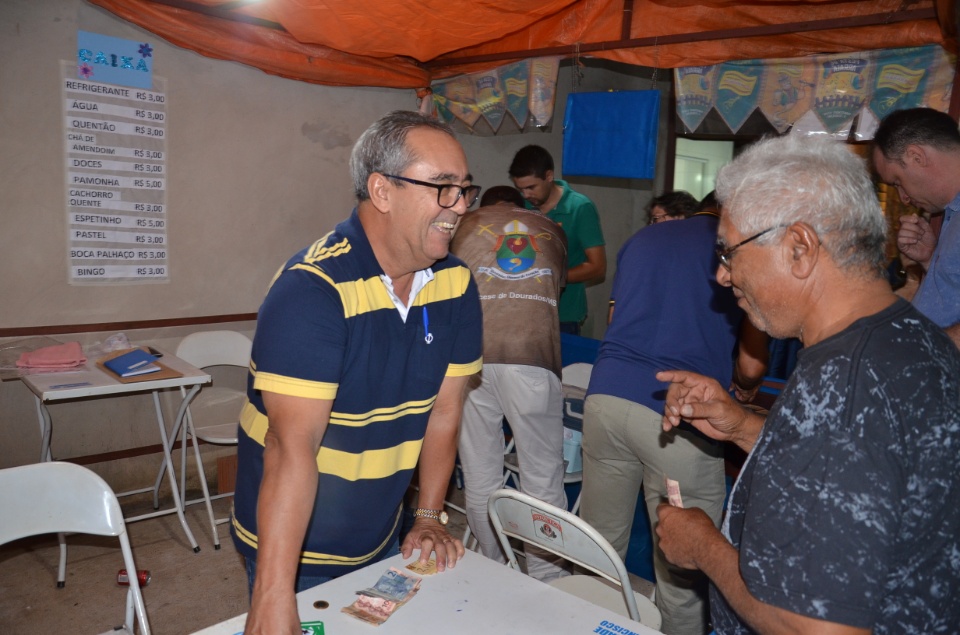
508,476
62,569
469,540
575,510
224,521
135,607
128,619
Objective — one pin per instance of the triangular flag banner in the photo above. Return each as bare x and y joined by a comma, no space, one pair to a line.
695,94
457,97
527,90
490,97
900,80
787,93
543,89
820,94
738,92
842,87
515,79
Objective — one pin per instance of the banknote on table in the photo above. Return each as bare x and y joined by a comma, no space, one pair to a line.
371,610
377,603
394,585
673,493
418,567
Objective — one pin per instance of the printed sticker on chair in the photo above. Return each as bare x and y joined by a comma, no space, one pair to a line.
548,528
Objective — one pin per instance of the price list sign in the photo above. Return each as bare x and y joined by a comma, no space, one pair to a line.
116,155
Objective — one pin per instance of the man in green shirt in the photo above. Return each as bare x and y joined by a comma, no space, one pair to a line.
532,174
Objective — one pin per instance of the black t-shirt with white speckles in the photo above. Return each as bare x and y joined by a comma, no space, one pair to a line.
848,508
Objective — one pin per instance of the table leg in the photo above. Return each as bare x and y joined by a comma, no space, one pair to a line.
189,431
185,425
173,437
43,416
171,473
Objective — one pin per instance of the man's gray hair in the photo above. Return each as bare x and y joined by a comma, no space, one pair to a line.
383,147
781,180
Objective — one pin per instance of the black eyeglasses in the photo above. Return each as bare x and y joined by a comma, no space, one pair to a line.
724,254
447,193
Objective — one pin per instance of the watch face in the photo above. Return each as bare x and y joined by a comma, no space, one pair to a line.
444,517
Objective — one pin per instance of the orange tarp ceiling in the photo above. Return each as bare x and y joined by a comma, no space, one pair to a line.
410,43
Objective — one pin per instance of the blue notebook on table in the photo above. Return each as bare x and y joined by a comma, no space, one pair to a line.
133,363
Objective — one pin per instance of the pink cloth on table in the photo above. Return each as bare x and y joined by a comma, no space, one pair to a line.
68,355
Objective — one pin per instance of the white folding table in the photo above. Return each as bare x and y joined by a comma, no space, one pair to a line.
477,597
91,382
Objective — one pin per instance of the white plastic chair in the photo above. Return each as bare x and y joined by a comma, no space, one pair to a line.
575,379
214,414
517,515
59,497
577,375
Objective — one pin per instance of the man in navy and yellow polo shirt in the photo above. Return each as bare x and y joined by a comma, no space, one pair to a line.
364,345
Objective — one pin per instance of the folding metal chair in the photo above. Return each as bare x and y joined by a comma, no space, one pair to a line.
517,515
62,498
575,380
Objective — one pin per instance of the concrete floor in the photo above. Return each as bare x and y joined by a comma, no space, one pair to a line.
187,591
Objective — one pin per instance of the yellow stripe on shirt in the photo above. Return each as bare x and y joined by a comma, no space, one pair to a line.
447,284
363,296
371,464
463,370
313,557
319,251
370,294
382,414
294,387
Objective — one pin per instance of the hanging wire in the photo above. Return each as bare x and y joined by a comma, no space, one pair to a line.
577,68
656,63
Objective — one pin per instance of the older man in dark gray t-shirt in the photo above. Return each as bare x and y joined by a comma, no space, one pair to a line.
842,520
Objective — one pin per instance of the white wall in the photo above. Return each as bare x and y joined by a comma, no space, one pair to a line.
256,169
697,163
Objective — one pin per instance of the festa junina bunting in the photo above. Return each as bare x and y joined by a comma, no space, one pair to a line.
818,94
526,91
